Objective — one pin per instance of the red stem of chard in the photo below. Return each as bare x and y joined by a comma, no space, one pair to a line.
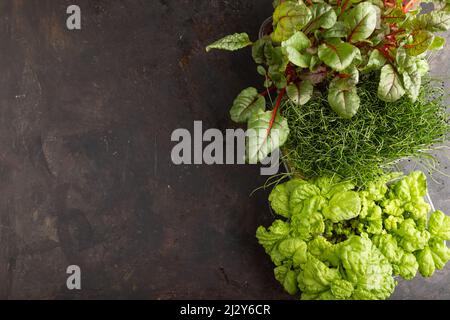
344,6
389,3
384,51
275,110
408,6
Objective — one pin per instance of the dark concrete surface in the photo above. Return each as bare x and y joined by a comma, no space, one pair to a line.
86,176
85,170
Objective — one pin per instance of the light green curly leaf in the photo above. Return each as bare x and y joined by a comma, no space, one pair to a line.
287,278
343,206
439,225
269,238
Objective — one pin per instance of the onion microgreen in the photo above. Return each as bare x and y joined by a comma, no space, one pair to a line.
321,142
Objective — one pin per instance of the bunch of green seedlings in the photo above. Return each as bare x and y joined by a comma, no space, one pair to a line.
321,143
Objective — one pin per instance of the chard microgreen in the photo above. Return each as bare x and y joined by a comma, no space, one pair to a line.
328,43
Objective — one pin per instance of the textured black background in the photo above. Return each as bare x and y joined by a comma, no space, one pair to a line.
85,170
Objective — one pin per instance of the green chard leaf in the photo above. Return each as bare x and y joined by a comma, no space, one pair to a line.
277,61
412,81
358,59
276,3
300,92
265,134
352,75
343,98
362,21
231,43
339,30
376,61
275,58
437,44
379,35
435,21
268,83
323,16
258,49
294,46
412,78
391,86
299,41
315,63
288,18
421,41
337,54
261,71
248,102
278,79
394,15
302,60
